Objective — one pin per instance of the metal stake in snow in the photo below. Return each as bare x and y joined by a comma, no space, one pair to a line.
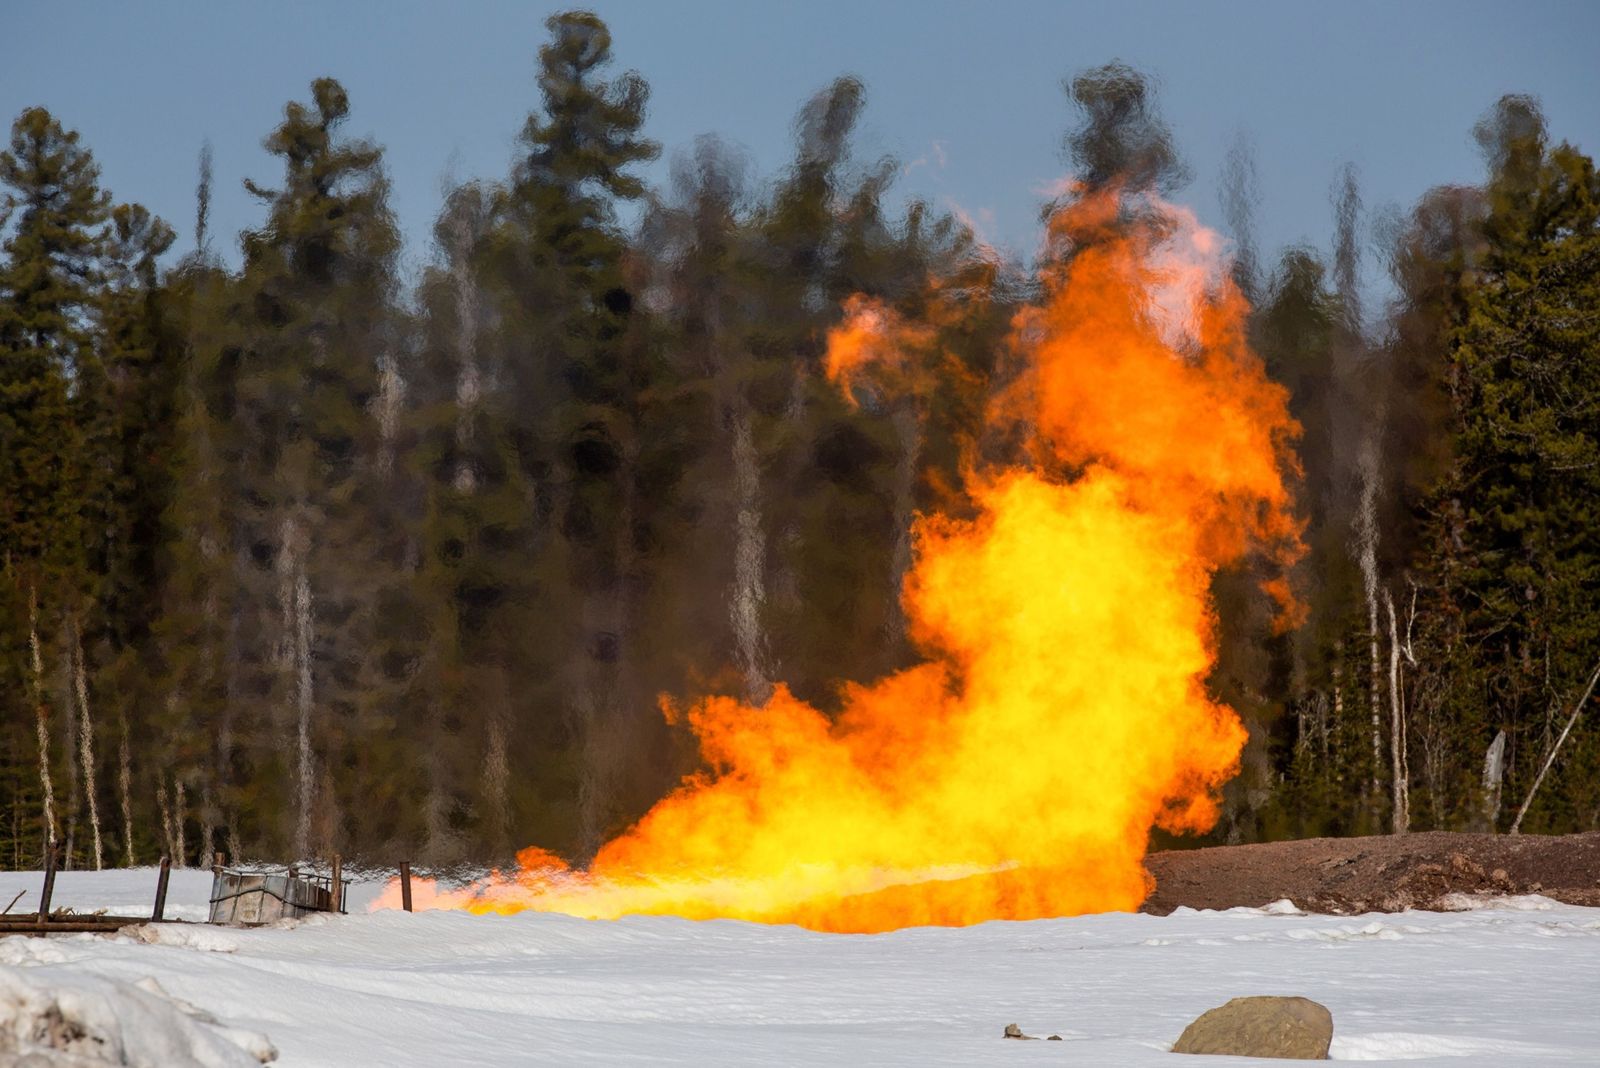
1516,824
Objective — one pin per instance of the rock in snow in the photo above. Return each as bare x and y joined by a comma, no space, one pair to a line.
1291,1028
88,1021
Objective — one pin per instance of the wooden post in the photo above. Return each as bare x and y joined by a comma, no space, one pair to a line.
159,913
336,887
216,886
405,885
49,883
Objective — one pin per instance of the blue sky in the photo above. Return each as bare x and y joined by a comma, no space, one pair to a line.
966,94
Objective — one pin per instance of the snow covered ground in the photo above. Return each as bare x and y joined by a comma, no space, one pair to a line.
1517,984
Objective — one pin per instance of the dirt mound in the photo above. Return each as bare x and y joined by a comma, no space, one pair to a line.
1388,873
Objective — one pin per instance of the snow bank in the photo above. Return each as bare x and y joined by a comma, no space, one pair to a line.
1469,988
74,1018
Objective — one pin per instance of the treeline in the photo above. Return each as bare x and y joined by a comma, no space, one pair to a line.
298,559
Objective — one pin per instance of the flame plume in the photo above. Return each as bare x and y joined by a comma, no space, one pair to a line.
1060,710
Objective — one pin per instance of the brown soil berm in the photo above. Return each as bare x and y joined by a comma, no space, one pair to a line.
1389,873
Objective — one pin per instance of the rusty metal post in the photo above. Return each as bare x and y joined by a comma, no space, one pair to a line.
405,885
159,913
49,883
336,887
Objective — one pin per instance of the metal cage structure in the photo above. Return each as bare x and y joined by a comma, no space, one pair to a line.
252,898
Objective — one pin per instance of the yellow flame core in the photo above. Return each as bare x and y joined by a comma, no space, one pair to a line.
1060,712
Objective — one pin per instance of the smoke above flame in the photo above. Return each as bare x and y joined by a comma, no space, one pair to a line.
1060,710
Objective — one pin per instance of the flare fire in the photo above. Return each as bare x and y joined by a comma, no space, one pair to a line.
1064,623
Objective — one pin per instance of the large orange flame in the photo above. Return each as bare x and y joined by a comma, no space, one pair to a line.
1060,712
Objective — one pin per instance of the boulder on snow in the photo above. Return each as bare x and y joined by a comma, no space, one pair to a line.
1289,1028
1013,1031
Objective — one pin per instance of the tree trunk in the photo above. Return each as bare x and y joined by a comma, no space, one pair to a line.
303,702
125,783
593,786
80,688
1367,547
390,406
207,820
1550,757
1400,800
294,596
168,832
749,561
179,822
1337,761
43,721
497,769
469,386
74,767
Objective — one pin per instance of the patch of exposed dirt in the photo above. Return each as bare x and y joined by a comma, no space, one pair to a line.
1387,873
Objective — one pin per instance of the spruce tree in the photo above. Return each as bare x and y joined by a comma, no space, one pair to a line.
574,349
1516,550
307,335
48,366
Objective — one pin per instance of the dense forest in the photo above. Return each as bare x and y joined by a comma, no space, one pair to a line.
296,558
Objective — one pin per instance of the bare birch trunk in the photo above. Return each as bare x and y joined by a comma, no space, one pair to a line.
80,689
42,715
1338,711
1367,542
390,402
749,561
1400,799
